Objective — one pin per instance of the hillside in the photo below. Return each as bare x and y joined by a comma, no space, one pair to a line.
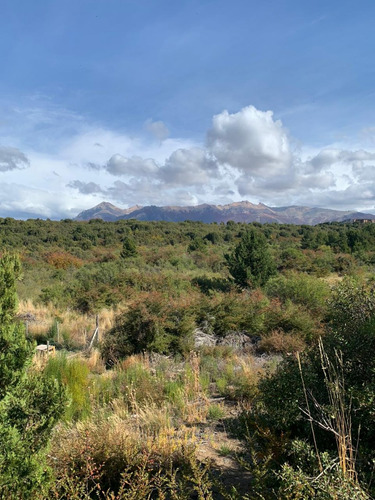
243,211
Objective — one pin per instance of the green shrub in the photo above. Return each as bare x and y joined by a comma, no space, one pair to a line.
74,375
292,319
301,289
215,412
152,324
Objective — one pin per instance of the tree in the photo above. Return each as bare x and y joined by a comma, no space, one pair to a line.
251,263
128,247
30,404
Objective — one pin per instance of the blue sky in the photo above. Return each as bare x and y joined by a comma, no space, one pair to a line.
165,102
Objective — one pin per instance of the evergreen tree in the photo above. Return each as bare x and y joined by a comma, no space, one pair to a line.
30,404
128,247
251,263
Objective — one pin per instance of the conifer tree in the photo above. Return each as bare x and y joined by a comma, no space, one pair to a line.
129,248
251,263
30,404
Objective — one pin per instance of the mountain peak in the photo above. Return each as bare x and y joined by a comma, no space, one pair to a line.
239,211
105,204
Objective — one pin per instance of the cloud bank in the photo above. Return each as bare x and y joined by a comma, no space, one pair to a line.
245,155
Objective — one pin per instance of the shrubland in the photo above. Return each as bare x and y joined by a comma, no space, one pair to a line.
241,342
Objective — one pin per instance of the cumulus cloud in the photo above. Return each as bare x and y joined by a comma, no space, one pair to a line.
12,159
329,157
354,197
364,172
193,167
251,141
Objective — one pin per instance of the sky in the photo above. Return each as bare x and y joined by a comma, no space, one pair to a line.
161,102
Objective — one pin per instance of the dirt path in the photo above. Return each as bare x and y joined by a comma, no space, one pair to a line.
217,445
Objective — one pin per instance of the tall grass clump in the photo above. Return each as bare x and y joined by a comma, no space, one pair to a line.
74,374
131,452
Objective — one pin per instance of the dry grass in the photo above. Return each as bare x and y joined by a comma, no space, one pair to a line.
147,414
94,361
280,342
76,327
99,450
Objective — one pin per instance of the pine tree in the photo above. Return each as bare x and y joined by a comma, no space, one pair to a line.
30,404
128,247
251,263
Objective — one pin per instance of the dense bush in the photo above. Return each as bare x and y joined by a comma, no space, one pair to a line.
348,346
301,289
154,323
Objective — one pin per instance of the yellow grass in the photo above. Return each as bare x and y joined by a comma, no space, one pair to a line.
79,327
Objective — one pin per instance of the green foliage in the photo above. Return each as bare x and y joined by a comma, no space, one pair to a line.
197,244
30,404
293,258
352,304
301,289
212,284
215,412
129,248
180,279
238,311
152,324
350,339
15,350
140,474
296,484
251,263
73,374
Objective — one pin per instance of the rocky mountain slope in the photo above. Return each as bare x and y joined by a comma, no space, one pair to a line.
242,211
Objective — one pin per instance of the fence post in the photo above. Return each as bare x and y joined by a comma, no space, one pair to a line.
97,328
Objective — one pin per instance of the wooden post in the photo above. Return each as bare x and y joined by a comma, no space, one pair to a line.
47,347
97,328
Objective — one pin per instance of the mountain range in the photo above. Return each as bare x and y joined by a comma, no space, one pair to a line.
242,211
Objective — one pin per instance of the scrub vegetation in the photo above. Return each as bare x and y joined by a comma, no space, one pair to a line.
232,361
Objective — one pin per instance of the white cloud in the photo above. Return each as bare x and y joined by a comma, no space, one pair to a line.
329,157
250,141
192,167
85,187
249,154
21,201
118,165
12,159
364,172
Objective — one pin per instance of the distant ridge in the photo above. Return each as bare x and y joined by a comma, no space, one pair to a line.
242,211
106,211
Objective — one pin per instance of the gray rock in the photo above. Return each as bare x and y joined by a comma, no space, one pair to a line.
203,339
240,341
